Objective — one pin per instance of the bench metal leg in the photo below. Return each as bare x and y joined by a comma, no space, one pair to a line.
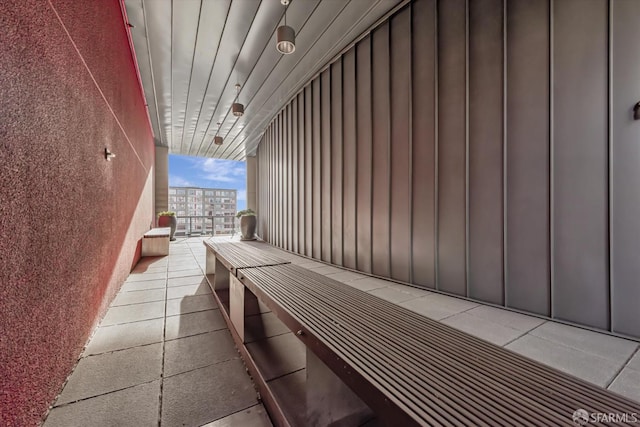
329,400
221,279
211,263
236,305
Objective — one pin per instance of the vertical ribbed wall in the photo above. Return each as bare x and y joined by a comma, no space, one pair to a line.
480,147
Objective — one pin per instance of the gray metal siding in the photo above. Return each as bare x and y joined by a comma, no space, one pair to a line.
485,148
579,162
486,141
625,147
527,145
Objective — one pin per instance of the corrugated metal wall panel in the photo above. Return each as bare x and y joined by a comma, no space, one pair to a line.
349,166
381,101
452,124
400,161
364,154
625,251
336,162
527,273
579,162
325,105
317,170
486,98
469,145
424,143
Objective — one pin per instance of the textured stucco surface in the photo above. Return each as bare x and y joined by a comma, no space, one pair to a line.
70,222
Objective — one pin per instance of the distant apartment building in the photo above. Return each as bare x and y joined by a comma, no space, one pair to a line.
203,210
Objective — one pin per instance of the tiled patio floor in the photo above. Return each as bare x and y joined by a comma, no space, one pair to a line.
163,356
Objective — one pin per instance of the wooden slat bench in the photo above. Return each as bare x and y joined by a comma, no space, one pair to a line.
238,255
417,371
155,242
411,370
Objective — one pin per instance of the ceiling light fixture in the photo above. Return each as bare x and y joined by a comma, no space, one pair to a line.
286,37
236,108
218,139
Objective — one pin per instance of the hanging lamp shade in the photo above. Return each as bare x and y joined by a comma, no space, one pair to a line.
286,38
237,109
217,140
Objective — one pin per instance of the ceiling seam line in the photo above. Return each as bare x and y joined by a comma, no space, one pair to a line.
193,57
153,78
275,65
224,86
215,59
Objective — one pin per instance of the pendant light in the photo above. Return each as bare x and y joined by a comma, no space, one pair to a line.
286,37
236,108
217,140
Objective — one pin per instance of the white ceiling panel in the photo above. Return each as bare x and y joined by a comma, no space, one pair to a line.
191,53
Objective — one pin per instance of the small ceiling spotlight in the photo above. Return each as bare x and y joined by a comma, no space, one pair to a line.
285,36
218,139
236,108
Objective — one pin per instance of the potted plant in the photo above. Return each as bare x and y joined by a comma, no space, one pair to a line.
247,224
168,219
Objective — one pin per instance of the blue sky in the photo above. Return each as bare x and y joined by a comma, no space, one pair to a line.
187,171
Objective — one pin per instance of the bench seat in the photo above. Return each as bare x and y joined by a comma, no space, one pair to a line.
408,369
155,242
416,371
238,255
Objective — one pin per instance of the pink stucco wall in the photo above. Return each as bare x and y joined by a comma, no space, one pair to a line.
70,222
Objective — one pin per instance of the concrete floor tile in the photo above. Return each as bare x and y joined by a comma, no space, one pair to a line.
311,264
634,363
437,306
146,276
119,337
183,281
186,354
482,328
185,273
193,323
153,261
96,375
141,269
180,259
136,406
291,390
607,346
144,285
393,294
138,297
345,276
278,355
256,416
627,384
589,367
207,394
188,290
327,269
191,304
369,283
187,265
508,318
416,292
133,313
